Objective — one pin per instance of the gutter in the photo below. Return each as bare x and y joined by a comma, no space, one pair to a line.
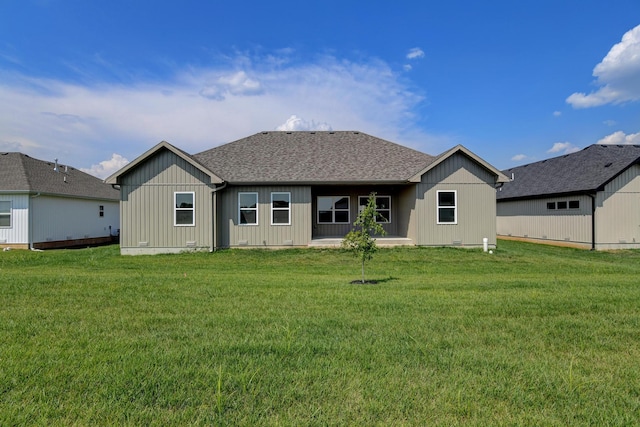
214,221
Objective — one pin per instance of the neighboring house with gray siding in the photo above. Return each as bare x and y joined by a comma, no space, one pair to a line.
280,189
45,205
588,199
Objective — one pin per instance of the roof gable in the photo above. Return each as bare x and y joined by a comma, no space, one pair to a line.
164,145
309,157
22,173
500,177
588,170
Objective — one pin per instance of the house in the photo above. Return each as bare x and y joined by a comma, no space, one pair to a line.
282,189
588,199
46,205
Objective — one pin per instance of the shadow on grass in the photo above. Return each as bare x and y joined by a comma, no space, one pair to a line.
373,281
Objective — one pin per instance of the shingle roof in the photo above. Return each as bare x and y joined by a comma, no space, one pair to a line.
587,170
343,156
19,172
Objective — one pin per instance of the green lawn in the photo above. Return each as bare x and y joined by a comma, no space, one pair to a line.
531,335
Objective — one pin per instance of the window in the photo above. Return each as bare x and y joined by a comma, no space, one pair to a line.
248,208
333,210
5,214
447,212
383,207
184,212
280,208
573,204
101,211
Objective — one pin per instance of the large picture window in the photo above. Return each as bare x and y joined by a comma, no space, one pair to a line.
333,209
383,207
280,208
5,214
447,207
248,208
184,212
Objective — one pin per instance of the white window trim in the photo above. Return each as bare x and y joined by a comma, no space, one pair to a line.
333,211
248,209
360,206
9,214
176,209
455,207
288,209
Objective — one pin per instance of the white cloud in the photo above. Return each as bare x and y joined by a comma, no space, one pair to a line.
519,157
563,147
415,53
238,84
196,109
295,123
620,138
107,167
610,122
618,75
407,67
557,113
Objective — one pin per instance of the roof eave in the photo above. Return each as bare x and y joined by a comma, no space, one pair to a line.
53,194
548,195
317,183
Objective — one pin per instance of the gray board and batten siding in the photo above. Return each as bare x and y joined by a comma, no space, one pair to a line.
306,168
475,192
264,233
147,206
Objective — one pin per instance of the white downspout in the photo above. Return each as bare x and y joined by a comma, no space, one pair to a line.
30,221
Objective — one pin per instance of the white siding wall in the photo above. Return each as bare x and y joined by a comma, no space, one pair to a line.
18,233
60,218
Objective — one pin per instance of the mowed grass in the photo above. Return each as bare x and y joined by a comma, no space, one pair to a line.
531,335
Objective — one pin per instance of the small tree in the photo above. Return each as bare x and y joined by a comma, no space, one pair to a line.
359,240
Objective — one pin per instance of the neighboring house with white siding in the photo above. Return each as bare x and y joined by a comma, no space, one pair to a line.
282,189
588,199
46,205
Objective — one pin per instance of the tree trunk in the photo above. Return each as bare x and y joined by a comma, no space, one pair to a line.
363,270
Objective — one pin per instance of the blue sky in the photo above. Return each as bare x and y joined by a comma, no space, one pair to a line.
97,83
